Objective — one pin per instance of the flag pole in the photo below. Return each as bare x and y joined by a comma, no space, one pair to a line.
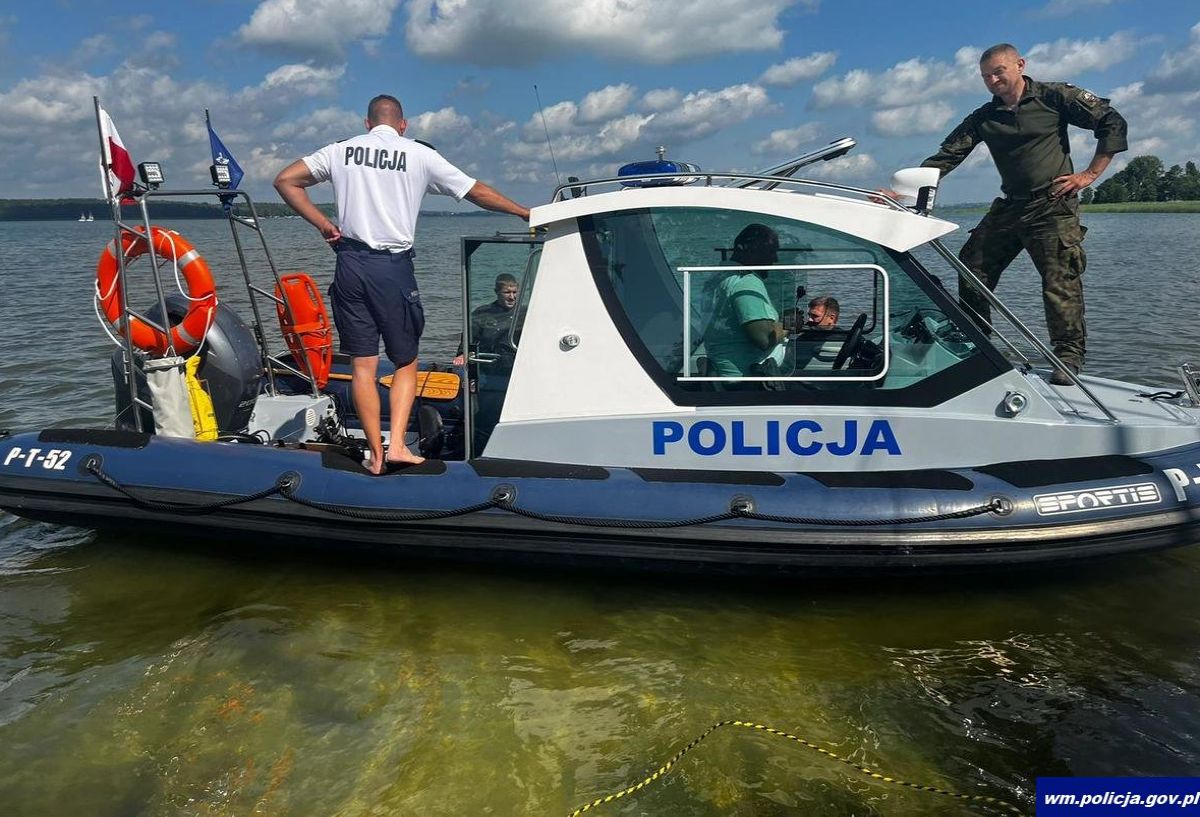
135,403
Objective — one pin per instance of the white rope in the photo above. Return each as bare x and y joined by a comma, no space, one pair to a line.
212,310
104,321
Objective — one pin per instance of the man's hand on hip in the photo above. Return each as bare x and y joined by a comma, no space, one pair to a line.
1066,185
330,232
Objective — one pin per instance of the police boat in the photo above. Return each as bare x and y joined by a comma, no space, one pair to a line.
621,414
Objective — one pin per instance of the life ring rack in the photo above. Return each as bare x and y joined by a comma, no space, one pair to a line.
188,333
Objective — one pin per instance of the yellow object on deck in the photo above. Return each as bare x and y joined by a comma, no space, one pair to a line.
204,417
430,385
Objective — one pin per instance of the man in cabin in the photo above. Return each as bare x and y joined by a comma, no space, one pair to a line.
745,324
491,324
1025,128
379,179
823,312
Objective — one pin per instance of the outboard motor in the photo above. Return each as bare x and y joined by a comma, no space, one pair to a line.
230,364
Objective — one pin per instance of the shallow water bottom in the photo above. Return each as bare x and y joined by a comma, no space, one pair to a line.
140,680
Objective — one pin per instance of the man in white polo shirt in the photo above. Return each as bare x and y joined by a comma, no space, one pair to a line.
379,180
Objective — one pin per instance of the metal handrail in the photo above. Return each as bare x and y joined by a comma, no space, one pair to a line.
1045,351
792,184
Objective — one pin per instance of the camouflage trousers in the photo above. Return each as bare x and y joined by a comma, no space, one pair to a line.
1049,230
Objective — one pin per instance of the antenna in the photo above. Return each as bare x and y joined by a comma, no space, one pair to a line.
545,127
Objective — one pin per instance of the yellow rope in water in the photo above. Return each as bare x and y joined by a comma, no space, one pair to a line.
662,770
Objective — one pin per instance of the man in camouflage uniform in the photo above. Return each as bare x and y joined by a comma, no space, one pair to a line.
1025,129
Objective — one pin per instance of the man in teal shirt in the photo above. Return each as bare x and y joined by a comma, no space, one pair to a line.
745,325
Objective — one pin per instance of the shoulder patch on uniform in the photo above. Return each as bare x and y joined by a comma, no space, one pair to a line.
1084,95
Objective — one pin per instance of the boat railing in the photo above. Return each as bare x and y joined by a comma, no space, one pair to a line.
271,362
1028,334
750,181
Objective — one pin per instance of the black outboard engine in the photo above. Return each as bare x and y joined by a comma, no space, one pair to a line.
230,364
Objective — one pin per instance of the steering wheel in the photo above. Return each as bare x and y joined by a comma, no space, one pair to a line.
852,343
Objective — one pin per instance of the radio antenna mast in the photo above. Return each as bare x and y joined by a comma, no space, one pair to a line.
545,127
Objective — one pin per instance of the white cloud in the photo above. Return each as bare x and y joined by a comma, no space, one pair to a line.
1066,8
438,124
455,135
902,83
799,69
1063,59
608,140
605,103
92,47
579,139
159,117
854,166
1162,123
320,127
157,41
661,98
316,28
558,118
701,113
523,32
929,79
306,77
787,141
1178,71
1151,144
926,117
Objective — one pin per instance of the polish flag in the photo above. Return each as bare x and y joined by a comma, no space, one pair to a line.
115,161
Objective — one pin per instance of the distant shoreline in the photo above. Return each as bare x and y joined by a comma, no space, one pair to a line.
72,209
1144,207
1110,207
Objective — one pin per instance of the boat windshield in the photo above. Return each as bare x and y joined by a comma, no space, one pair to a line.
698,292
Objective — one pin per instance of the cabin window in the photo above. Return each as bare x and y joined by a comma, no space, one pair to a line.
704,292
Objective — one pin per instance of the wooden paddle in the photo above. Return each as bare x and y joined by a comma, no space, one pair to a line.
430,385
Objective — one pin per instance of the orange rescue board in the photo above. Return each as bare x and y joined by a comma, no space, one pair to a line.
308,335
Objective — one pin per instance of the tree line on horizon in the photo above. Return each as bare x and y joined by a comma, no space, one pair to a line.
1145,178
70,209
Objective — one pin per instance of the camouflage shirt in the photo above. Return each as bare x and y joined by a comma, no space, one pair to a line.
1029,144
491,326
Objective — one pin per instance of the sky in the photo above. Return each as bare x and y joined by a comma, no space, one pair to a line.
727,84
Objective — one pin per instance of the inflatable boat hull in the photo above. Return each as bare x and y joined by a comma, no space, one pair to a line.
1004,514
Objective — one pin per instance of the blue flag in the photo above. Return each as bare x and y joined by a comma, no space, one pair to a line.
222,156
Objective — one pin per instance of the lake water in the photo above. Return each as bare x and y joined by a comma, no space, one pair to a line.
139,676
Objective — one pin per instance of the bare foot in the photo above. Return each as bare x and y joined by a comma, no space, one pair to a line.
402,456
374,464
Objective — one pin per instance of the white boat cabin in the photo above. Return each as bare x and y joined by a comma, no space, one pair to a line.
622,351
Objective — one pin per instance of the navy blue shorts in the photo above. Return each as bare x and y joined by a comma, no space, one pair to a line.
375,294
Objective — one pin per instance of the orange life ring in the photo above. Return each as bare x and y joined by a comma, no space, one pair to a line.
189,332
308,333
